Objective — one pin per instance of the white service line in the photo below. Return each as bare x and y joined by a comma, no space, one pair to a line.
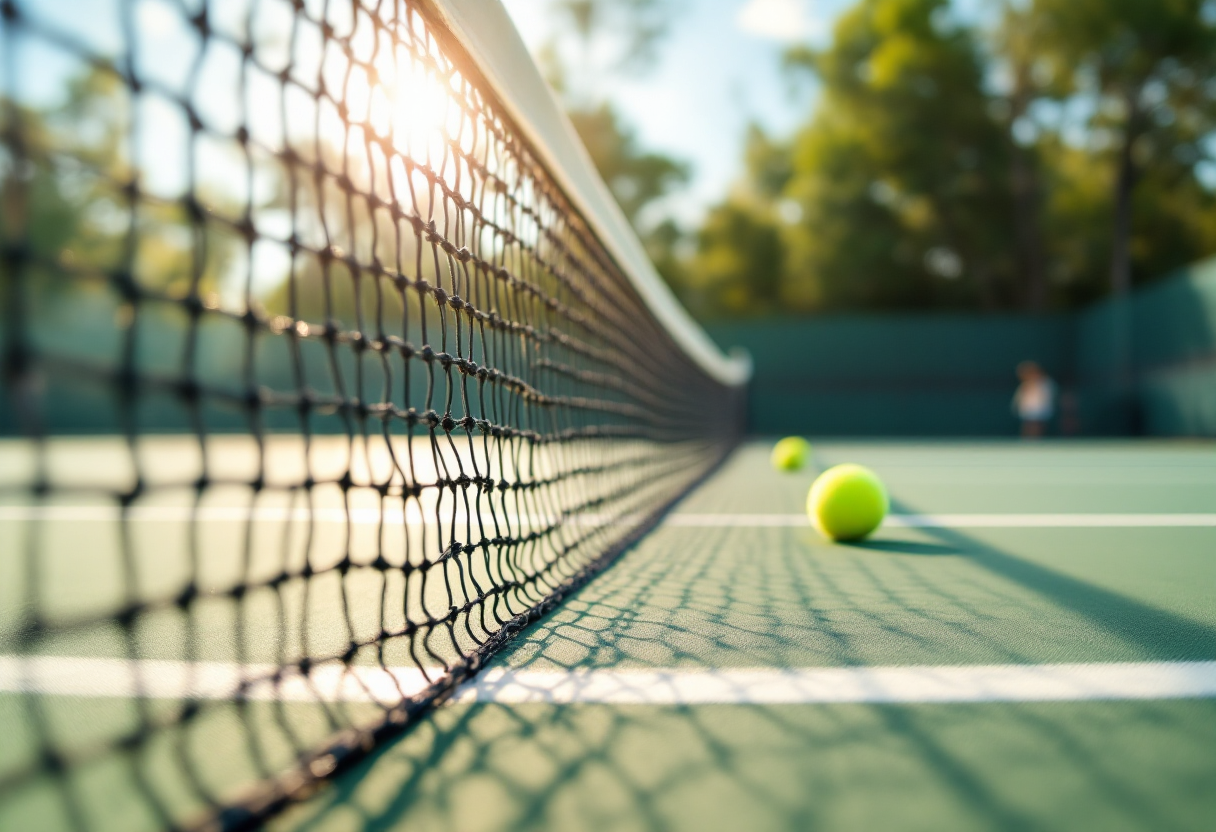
995,683
217,681
960,521
118,678
416,517
411,516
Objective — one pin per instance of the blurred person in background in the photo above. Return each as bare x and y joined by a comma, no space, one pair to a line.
1035,399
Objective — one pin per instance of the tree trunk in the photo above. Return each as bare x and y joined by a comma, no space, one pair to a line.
1122,350
973,264
1125,183
1026,206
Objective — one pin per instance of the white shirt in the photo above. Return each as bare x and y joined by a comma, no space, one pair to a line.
1035,400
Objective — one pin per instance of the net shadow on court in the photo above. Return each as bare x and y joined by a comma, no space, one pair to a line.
590,766
1158,634
419,382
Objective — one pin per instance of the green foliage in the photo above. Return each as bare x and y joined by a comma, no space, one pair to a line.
1146,69
66,199
904,165
55,200
739,262
947,166
635,176
638,178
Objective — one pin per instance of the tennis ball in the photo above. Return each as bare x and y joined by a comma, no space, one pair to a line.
847,502
791,453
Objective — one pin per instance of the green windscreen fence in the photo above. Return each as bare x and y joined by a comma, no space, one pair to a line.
1148,365
934,375
1145,365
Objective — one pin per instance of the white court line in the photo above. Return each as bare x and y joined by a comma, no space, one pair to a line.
412,516
222,681
997,683
415,517
960,521
92,677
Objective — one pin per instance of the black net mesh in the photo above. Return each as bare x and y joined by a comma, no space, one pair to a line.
316,388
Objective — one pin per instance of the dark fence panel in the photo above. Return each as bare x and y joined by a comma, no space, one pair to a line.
928,375
1145,365
1148,364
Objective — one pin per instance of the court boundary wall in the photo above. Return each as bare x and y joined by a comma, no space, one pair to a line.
1144,365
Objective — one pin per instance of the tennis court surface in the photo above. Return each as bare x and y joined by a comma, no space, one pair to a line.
1129,747
358,470
1028,643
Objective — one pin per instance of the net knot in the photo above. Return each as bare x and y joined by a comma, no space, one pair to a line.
124,283
186,596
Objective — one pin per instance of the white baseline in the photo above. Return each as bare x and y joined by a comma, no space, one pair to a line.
413,516
119,678
960,521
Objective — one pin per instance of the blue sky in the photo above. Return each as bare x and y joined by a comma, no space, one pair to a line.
718,69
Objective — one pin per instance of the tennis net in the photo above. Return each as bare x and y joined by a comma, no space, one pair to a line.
328,365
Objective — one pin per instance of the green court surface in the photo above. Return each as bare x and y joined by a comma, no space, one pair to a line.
699,597
1005,558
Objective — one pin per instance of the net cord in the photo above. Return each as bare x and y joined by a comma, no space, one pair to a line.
484,28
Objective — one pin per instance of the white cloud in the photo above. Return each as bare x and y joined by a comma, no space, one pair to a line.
783,20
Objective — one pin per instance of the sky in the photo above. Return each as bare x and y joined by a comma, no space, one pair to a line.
718,69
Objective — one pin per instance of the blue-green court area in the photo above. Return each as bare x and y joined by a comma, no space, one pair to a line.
1028,644
731,584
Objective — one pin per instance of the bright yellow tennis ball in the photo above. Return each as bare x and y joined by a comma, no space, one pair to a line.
847,502
790,454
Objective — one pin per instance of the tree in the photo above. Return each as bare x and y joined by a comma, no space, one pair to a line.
739,264
1015,46
66,200
619,38
951,166
1146,68
636,177
902,172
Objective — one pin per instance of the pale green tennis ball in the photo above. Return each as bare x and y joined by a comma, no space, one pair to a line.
847,502
790,454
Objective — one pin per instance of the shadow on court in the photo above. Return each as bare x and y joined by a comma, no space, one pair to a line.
701,597
1160,634
906,547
